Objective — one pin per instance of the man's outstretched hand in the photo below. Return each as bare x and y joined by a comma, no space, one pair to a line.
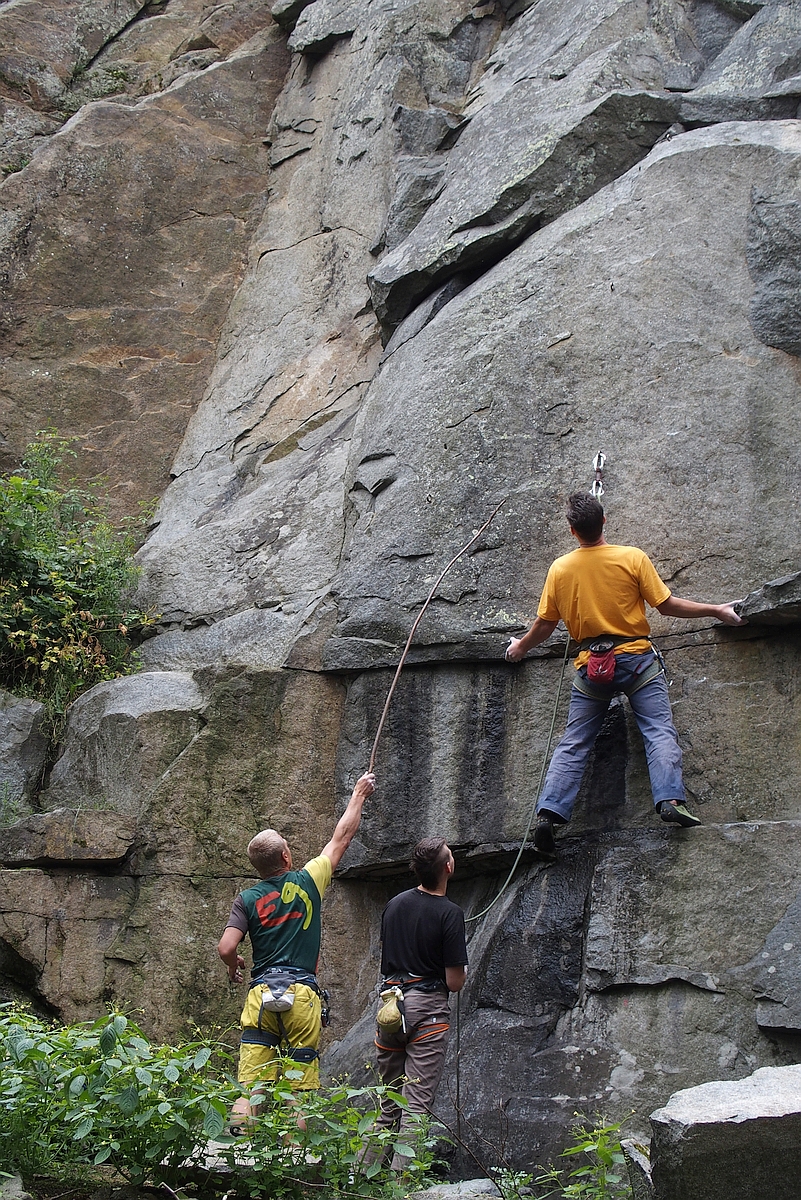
728,616
365,785
514,651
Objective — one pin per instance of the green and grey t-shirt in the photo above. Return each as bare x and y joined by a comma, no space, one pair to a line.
282,917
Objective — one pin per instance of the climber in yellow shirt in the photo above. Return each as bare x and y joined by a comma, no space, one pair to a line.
600,592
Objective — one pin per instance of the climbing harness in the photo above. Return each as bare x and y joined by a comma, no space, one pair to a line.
600,691
392,1013
274,1041
277,998
420,617
597,489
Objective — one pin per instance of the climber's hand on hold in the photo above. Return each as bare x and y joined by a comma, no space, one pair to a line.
514,651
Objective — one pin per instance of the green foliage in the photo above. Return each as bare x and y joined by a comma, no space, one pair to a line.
326,1139
81,1096
512,1185
601,1174
87,1094
13,165
65,572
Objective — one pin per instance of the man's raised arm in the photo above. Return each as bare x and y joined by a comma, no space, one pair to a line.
348,823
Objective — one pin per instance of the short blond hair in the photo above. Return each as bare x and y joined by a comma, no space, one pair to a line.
266,852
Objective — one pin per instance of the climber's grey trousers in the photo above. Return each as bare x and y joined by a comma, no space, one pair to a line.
419,1055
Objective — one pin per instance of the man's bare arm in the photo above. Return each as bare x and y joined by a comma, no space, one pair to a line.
676,607
454,978
519,647
227,948
348,823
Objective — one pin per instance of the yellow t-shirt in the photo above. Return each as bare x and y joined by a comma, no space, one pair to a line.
603,589
321,871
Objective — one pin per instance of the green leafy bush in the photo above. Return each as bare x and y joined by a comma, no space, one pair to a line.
601,1174
98,1093
65,573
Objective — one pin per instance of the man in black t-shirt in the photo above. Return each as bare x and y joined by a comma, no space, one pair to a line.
424,953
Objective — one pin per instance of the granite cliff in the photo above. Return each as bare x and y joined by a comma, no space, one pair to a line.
332,279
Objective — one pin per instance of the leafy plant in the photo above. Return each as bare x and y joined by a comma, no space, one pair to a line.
601,1175
326,1139
512,1184
98,1093
65,574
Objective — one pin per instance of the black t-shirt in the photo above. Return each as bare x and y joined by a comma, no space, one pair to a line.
422,934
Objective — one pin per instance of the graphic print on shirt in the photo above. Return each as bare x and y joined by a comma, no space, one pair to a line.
266,906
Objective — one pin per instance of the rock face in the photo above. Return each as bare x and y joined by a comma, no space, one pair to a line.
23,753
351,278
121,244
730,1139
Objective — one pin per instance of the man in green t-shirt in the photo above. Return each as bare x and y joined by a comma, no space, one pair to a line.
281,915
600,592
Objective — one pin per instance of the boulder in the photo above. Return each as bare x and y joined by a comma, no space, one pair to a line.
734,1138
509,392
573,95
466,1189
13,1188
23,753
120,739
286,12
317,26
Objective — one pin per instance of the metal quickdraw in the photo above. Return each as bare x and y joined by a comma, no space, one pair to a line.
597,489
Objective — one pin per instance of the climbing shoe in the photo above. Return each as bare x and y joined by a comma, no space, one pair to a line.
677,814
544,840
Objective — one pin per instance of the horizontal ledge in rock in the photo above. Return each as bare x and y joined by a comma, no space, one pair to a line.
471,861
775,603
362,654
656,975
372,863
65,837
350,654
779,1017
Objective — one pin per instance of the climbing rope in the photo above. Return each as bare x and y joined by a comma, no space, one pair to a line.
533,809
506,883
429,598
